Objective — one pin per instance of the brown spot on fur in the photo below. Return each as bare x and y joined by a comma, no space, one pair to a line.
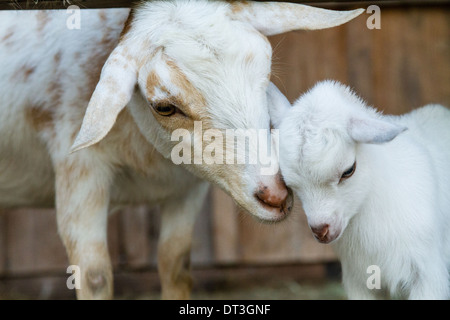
102,15
24,73
127,26
237,6
57,57
92,67
8,35
42,20
28,72
39,117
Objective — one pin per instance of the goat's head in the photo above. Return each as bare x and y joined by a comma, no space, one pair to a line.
324,156
209,61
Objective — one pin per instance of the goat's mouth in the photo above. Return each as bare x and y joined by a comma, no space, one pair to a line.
325,234
276,213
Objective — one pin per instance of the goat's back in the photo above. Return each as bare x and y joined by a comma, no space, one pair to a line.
430,126
47,75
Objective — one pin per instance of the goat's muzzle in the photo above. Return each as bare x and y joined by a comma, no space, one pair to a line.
276,197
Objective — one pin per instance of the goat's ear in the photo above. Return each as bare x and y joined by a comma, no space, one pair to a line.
112,94
370,130
278,104
272,18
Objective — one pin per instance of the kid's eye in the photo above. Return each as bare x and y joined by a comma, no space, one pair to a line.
349,172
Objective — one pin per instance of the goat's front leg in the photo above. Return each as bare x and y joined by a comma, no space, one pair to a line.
82,197
174,248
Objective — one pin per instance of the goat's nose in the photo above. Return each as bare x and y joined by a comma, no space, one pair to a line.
321,232
274,194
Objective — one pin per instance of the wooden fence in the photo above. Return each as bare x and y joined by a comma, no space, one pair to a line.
397,68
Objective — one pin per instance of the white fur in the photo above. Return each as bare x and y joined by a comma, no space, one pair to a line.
394,212
48,76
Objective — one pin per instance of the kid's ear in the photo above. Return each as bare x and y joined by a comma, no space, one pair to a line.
368,130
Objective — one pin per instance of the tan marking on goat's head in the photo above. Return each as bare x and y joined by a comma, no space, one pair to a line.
153,80
187,99
39,118
192,99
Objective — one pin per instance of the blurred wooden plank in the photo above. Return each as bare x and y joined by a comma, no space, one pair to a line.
301,58
3,242
34,246
139,235
288,241
202,242
33,242
114,239
38,287
359,55
145,284
433,67
224,228
88,4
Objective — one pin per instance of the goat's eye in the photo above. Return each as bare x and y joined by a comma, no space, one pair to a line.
165,110
349,172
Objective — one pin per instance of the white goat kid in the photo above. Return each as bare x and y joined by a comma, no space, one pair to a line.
381,201
170,63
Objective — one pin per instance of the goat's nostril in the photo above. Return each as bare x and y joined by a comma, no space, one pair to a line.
321,231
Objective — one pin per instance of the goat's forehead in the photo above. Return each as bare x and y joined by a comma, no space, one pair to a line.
316,157
193,28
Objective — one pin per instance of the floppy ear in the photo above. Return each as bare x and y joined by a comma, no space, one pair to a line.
112,94
368,130
278,104
272,18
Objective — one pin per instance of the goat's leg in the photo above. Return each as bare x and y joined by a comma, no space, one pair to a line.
174,248
82,197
